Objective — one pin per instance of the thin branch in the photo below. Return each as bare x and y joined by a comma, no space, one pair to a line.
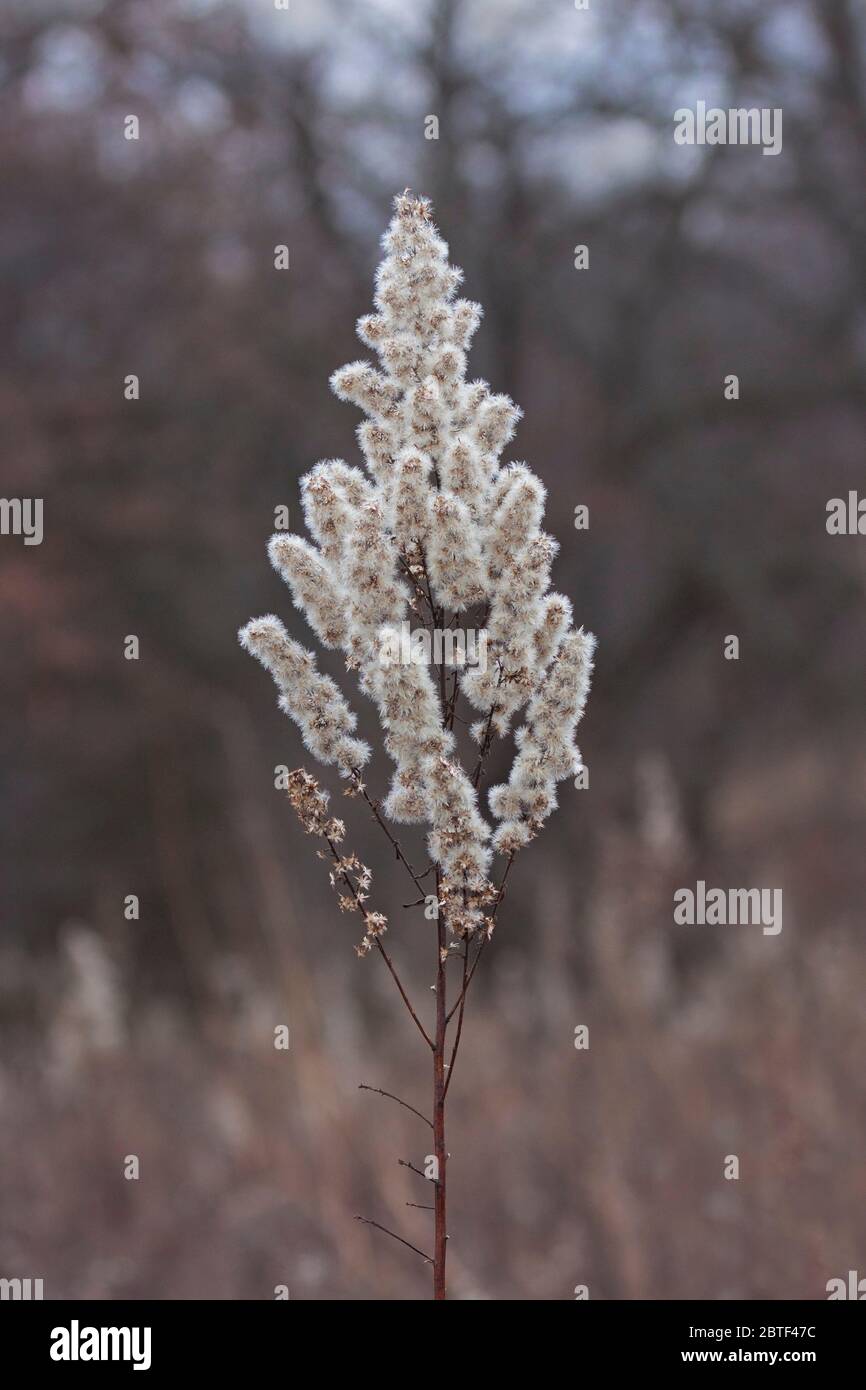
345,876
455,693
467,980
405,1104
427,582
404,1163
419,592
419,1206
403,995
462,1004
443,676
500,895
367,1222
374,807
488,736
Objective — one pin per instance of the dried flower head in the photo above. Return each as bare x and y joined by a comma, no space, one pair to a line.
436,530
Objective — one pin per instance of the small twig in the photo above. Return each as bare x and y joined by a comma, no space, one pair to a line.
458,1003
381,949
459,1033
427,582
403,995
488,736
467,980
419,1206
413,580
462,1005
405,1104
367,1222
460,720
404,1163
443,676
374,807
452,705
501,893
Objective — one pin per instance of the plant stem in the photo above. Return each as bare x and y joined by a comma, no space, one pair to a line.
440,1232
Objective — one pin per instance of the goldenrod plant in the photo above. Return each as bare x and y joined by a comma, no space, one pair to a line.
436,534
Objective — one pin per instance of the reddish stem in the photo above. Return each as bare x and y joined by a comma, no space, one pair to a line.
440,1231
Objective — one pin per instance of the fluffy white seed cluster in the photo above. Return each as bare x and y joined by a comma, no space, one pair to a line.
546,753
436,528
312,700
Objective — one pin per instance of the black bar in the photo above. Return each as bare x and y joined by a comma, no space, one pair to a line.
222,1339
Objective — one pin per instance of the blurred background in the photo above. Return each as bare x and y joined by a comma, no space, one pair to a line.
707,518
